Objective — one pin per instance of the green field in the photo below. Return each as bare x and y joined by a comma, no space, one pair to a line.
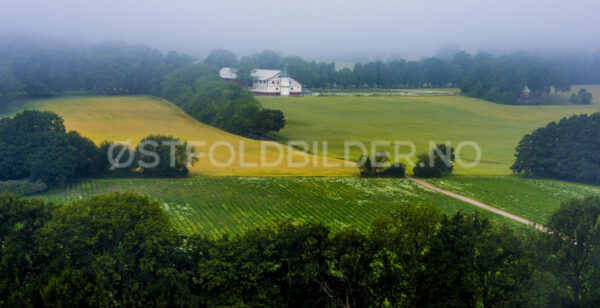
392,92
214,206
534,199
217,205
496,128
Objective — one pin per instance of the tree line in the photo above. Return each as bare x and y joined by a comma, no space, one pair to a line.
568,149
498,79
37,70
34,69
122,250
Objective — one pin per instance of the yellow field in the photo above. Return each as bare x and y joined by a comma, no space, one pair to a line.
134,117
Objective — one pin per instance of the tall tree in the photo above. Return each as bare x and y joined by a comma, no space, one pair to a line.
221,58
571,248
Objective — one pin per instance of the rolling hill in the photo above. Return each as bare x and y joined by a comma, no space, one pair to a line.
496,128
119,118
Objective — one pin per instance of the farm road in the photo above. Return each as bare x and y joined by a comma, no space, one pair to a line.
479,204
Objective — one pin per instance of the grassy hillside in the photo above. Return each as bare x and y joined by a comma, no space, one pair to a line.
134,117
214,206
496,128
534,199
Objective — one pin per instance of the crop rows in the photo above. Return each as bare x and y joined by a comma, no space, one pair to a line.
214,206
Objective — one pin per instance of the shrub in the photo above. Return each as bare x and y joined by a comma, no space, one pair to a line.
397,170
23,187
437,163
583,97
120,167
381,167
166,166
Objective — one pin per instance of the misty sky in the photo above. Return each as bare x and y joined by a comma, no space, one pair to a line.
323,30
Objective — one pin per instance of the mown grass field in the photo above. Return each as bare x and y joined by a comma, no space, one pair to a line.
534,199
120,118
217,205
496,128
393,92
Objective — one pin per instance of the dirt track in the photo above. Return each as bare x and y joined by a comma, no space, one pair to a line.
479,204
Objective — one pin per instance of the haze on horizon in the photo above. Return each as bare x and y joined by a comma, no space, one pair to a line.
324,30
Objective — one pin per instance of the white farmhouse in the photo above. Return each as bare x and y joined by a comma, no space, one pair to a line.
268,82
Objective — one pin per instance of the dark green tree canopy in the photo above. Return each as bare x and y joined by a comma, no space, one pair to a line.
437,163
229,106
122,250
568,149
162,156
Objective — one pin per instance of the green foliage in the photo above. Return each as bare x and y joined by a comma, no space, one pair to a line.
228,106
185,77
473,264
220,58
51,157
36,70
160,159
380,167
90,160
108,250
23,187
568,149
118,68
571,250
437,163
121,250
502,79
243,70
36,146
268,59
20,263
583,97
122,166
10,87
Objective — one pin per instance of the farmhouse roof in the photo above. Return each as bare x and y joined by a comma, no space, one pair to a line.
258,74
526,90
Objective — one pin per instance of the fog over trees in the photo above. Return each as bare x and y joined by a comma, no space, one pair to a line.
344,31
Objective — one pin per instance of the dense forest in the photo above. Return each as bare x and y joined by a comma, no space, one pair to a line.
122,250
568,149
